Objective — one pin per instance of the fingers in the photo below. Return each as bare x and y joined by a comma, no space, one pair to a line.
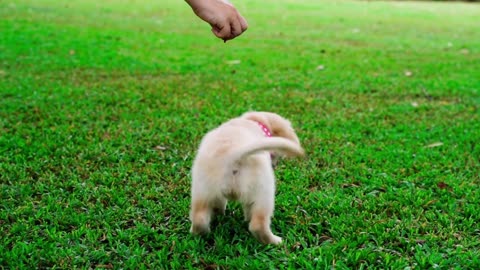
231,29
224,31
236,28
243,23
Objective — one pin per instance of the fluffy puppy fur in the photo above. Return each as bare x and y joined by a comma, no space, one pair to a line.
234,163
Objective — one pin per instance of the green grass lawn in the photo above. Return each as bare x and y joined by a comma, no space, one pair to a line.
103,104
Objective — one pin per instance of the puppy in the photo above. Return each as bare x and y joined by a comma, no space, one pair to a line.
234,163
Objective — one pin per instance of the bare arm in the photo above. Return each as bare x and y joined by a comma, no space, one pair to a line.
226,21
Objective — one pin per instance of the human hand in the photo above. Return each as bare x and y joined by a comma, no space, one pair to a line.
226,21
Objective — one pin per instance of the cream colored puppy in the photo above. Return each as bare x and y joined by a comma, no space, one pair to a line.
234,163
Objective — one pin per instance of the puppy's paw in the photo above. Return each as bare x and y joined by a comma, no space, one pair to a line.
199,229
267,237
275,240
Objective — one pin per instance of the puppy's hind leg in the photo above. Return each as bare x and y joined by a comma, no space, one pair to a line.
262,205
260,226
247,211
200,215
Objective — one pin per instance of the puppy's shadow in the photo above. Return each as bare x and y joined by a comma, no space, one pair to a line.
233,218
230,226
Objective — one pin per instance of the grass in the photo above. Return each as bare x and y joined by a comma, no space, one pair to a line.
103,103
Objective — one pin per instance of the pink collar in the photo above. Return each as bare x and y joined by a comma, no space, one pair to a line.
265,129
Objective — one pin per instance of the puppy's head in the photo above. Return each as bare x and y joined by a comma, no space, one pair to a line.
279,126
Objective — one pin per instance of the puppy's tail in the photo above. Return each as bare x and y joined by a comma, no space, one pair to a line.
277,144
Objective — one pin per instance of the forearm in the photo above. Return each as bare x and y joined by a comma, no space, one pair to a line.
197,4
